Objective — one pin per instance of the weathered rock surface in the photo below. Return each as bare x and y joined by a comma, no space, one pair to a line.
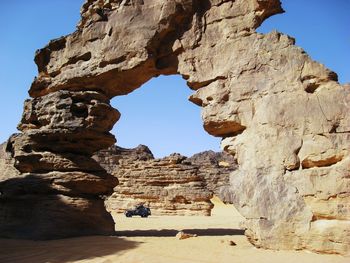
6,164
43,204
109,158
57,187
215,168
265,96
173,185
168,186
182,235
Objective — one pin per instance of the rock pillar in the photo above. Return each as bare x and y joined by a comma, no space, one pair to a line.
59,188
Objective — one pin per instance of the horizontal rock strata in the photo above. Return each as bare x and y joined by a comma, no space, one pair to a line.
54,187
167,186
173,185
110,158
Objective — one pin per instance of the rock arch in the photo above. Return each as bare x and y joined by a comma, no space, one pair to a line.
284,116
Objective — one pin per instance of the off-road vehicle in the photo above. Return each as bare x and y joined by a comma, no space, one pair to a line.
139,210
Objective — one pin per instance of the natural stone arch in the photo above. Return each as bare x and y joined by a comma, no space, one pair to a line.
283,115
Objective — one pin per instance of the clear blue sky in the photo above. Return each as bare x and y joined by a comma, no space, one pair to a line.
158,114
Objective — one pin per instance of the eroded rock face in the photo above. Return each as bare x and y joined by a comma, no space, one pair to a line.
110,158
55,190
270,102
169,186
174,185
215,168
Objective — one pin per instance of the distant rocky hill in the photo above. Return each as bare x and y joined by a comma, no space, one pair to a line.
109,158
171,185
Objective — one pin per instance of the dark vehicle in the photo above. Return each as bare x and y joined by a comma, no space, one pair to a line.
140,210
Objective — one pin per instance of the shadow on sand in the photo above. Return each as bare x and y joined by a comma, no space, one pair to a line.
63,250
173,232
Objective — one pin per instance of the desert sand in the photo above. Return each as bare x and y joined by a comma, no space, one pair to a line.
152,240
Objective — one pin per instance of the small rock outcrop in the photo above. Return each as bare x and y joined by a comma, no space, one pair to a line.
284,116
174,185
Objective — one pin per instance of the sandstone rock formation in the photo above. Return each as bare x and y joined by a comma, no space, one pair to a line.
56,190
283,115
110,158
174,185
215,167
168,186
7,168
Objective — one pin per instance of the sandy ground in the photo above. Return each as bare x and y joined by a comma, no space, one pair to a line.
152,240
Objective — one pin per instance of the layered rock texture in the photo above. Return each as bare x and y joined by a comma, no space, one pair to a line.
57,188
168,186
214,168
110,158
174,185
283,115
